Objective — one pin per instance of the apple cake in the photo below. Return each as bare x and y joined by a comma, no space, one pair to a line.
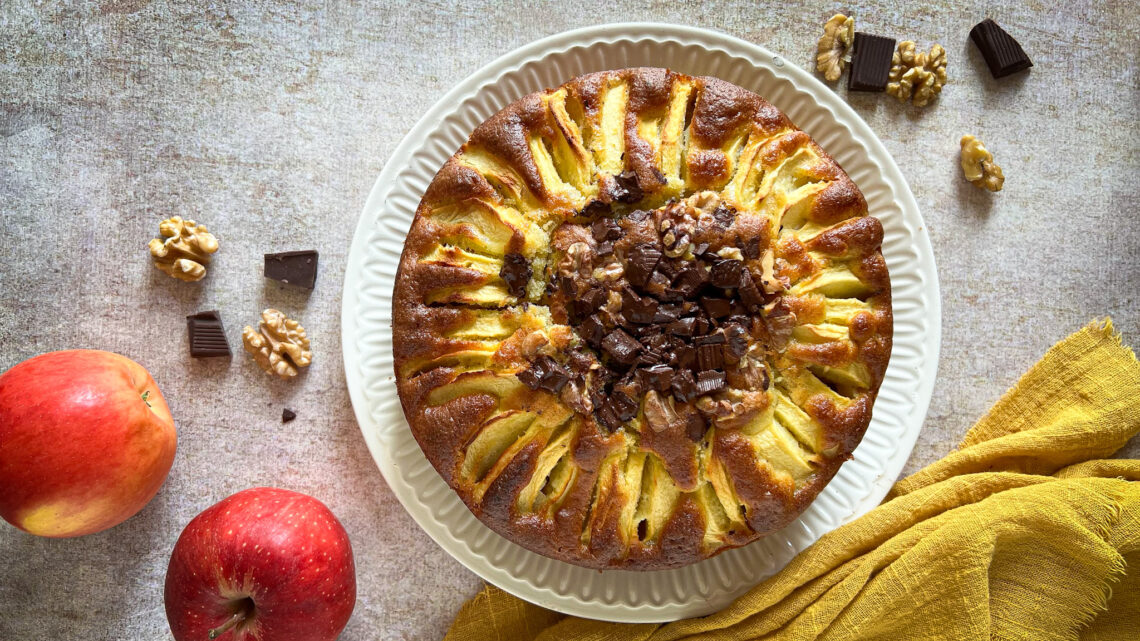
640,319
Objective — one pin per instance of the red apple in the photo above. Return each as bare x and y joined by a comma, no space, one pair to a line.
86,440
264,564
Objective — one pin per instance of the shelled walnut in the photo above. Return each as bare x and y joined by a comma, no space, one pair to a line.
834,46
185,249
978,165
917,76
279,345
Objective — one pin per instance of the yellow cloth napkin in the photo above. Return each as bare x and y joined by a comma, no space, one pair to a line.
1024,532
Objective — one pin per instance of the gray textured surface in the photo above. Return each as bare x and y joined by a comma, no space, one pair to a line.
269,122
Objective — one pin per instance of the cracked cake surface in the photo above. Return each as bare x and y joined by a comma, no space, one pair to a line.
640,319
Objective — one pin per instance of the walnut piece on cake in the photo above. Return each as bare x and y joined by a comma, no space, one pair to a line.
185,249
279,345
978,165
834,46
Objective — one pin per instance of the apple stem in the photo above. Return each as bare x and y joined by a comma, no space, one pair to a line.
237,618
144,397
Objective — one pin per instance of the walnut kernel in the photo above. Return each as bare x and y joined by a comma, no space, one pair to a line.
185,250
978,165
917,76
279,345
834,46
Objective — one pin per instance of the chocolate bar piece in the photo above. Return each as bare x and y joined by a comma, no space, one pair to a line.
871,62
207,336
287,415
1003,54
295,268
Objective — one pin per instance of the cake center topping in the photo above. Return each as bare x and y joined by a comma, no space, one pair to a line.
677,309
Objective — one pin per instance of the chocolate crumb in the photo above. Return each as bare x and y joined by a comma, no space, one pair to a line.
287,415
516,274
723,216
627,188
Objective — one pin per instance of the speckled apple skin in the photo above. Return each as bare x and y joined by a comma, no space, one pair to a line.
80,449
284,550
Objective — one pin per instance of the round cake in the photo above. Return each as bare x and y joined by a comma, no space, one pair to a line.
640,319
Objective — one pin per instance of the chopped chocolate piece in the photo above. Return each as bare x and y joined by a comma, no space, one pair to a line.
702,326
716,338
604,412
710,382
294,268
751,248
595,208
749,293
624,406
605,248
650,357
684,386
683,327
516,274
592,331
589,302
710,357
531,376
287,415
667,267
579,361
545,373
605,229
207,336
658,377
739,319
723,216
737,341
695,426
666,314
642,261
1003,55
567,286
716,307
871,62
700,249
626,188
637,215
685,357
621,347
727,273
689,280
658,282
556,375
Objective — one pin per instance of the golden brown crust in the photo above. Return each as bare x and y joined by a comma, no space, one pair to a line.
548,476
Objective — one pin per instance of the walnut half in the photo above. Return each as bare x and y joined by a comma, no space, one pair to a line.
917,76
279,345
834,45
978,165
185,249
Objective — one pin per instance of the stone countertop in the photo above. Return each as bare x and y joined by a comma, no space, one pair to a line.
269,122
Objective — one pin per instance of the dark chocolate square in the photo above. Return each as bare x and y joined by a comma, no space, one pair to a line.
870,62
1003,55
207,336
295,268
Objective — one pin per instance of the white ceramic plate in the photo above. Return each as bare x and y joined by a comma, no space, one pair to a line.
707,586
